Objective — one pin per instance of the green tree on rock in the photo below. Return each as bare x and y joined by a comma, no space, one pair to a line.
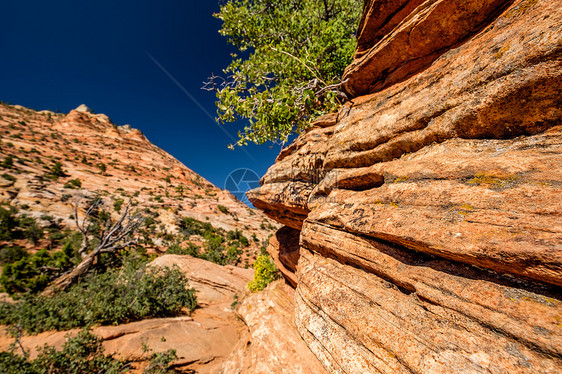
292,57
57,171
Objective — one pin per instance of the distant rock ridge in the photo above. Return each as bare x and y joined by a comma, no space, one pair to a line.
428,210
115,162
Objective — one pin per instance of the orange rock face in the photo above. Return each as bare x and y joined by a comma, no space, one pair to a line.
430,211
399,38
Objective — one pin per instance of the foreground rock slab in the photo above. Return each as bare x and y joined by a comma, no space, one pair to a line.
271,344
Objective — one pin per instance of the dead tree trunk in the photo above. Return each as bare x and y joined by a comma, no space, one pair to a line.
68,278
113,237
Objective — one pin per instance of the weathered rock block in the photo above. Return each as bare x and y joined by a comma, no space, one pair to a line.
430,213
407,36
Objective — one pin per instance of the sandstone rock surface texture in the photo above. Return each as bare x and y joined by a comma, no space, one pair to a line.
271,344
430,209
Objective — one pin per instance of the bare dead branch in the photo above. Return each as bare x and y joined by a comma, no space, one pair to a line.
113,237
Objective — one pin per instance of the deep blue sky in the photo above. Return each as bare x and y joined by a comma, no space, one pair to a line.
59,54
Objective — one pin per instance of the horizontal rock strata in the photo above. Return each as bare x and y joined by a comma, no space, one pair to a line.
430,211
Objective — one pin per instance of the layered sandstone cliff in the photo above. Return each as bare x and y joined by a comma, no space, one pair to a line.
429,209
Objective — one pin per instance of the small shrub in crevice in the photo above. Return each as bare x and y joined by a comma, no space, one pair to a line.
265,273
9,177
56,171
160,361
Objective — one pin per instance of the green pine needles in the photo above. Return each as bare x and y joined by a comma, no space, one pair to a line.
292,57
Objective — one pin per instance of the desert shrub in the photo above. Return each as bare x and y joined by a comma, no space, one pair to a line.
233,255
233,234
57,171
117,204
8,223
117,296
191,226
13,226
9,177
160,362
81,354
223,209
11,254
32,273
265,273
237,236
177,249
244,241
102,167
215,247
73,183
8,162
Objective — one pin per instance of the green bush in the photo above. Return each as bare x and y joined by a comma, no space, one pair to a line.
237,236
244,241
160,362
12,254
102,167
117,204
223,209
33,273
191,226
114,297
215,247
14,227
82,354
265,273
191,250
8,223
8,162
57,171
9,177
73,183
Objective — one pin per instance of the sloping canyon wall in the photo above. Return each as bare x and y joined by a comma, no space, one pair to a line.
426,216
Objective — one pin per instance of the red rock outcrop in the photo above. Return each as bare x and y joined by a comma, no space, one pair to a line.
399,38
430,210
